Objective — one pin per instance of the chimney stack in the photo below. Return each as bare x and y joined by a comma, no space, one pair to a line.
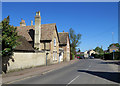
22,23
37,30
31,22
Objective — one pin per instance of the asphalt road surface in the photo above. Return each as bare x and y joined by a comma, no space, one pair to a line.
85,71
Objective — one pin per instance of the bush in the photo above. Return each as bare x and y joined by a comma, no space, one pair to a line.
117,55
79,55
98,56
72,56
109,56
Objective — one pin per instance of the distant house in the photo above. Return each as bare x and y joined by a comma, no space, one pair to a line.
86,54
113,48
89,53
65,45
80,53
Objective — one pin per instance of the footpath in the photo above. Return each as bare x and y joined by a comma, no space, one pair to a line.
27,73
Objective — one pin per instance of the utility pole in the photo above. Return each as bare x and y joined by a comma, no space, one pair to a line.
113,43
113,55
112,37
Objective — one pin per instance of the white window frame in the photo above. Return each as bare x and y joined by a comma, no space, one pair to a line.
55,56
54,41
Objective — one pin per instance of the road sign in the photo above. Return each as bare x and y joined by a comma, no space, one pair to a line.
113,50
113,54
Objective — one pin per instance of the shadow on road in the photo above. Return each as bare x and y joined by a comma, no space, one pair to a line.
111,76
117,63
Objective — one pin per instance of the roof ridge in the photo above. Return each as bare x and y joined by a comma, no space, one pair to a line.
34,25
48,23
63,32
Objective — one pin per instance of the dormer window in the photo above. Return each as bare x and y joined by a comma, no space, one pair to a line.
54,41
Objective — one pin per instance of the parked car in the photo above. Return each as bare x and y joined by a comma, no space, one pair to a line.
80,57
91,57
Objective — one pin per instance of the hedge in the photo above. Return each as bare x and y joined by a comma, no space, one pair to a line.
108,56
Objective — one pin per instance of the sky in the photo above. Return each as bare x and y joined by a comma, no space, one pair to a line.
94,20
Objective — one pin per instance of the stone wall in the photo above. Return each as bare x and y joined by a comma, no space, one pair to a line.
27,59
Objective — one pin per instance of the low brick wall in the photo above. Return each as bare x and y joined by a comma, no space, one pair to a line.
27,59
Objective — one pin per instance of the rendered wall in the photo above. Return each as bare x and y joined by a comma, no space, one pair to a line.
26,60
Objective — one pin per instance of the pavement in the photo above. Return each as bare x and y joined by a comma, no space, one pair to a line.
83,71
31,72
0,79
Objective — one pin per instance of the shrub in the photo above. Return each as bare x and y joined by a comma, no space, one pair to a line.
109,56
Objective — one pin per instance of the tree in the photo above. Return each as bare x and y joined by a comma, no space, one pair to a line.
99,50
9,42
74,41
78,50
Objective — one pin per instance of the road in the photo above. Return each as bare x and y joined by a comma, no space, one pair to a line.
86,71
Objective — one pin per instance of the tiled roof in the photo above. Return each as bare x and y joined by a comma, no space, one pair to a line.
63,37
46,31
24,31
24,45
113,47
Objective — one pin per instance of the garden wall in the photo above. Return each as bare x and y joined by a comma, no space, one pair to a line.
26,59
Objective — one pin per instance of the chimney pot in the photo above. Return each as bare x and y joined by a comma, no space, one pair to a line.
22,23
38,13
31,22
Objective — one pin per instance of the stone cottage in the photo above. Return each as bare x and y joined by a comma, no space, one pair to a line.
65,45
40,45
42,37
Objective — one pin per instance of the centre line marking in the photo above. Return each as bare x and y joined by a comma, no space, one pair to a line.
73,80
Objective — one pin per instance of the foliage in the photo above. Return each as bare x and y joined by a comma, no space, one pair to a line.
109,56
99,50
9,40
78,50
80,55
74,41
100,56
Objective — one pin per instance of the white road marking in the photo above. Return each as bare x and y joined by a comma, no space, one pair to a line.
73,80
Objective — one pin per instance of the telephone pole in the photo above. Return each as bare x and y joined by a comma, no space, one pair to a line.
113,43
112,37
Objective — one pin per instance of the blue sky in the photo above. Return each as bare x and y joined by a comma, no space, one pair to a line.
94,20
